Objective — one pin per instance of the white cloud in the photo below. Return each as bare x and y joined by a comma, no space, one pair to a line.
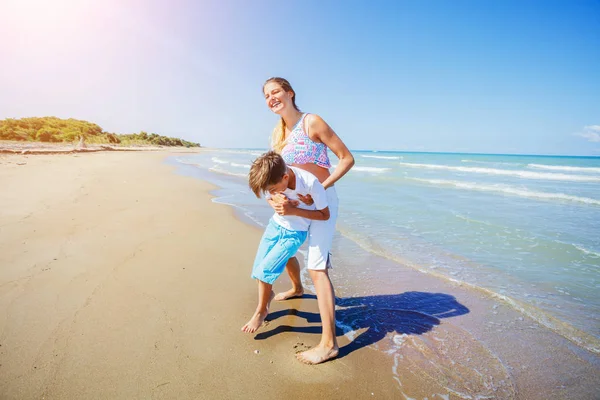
591,133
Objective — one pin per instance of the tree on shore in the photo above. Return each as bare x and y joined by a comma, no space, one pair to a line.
53,129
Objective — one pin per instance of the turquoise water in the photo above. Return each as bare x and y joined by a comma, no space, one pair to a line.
523,229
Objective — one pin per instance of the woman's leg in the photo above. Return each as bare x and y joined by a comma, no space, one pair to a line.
293,269
328,347
318,261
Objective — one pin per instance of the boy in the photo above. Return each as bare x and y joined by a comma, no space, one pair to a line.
287,229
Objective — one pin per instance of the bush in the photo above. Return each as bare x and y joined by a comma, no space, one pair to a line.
112,138
53,129
48,135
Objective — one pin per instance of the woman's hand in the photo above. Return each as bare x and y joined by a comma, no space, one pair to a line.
308,200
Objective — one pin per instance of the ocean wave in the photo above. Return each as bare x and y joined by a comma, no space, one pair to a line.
468,219
384,157
489,162
377,170
509,190
564,168
219,161
239,151
566,330
586,251
187,162
225,172
507,172
240,165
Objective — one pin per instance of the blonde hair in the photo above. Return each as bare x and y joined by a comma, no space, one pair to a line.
278,135
268,169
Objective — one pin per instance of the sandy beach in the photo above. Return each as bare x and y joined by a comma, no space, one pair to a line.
121,280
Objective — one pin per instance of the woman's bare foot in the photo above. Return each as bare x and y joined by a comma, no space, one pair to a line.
317,355
255,322
290,294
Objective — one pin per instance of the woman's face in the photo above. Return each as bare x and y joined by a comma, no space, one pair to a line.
277,99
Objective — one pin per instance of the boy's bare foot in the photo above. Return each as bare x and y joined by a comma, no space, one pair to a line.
317,355
255,322
258,318
290,294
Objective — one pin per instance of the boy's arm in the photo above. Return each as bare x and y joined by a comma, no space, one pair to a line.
288,208
316,215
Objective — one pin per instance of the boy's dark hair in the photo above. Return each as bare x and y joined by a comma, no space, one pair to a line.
268,169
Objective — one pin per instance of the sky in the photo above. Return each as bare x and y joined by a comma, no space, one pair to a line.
517,77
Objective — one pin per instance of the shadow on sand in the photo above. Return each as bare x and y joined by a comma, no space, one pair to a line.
412,313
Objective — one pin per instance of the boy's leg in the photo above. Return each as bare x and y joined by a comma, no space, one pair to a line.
265,295
276,248
293,269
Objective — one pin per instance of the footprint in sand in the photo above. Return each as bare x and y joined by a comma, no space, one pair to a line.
300,347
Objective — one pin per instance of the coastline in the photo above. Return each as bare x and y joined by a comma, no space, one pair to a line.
523,356
121,278
41,148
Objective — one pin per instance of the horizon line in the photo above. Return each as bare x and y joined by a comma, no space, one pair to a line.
429,152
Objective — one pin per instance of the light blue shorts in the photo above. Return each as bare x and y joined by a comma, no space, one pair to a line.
276,247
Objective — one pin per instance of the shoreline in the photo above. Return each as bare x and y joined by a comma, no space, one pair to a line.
43,148
577,336
492,328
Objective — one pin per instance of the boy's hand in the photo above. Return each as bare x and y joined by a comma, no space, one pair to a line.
281,198
285,208
308,200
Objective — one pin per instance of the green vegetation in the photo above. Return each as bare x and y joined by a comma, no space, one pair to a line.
52,129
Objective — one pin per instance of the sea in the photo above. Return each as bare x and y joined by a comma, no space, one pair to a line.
521,229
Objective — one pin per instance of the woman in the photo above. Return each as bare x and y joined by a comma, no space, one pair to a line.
303,140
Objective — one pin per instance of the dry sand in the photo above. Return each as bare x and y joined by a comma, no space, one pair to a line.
120,279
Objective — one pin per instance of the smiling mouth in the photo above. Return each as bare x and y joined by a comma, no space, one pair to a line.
275,104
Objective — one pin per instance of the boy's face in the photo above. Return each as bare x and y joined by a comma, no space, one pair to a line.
279,187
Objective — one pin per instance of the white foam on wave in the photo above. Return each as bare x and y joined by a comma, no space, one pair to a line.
376,170
489,162
507,172
564,168
225,172
505,189
187,162
246,166
384,157
219,161
586,251
239,151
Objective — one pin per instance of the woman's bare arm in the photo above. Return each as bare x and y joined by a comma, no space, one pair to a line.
319,131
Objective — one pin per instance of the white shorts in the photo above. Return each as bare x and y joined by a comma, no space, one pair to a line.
320,235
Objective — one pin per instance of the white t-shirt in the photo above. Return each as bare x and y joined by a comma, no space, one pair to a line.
306,183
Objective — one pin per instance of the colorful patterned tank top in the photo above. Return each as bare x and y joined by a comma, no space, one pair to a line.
300,149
